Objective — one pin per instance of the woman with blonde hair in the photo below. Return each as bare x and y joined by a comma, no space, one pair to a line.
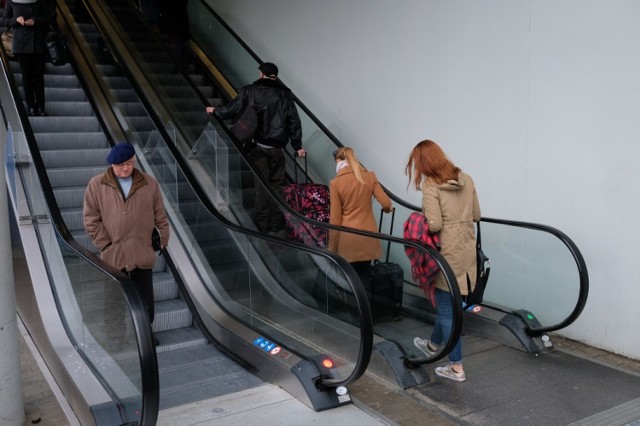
351,194
450,203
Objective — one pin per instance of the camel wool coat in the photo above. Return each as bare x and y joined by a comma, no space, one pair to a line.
351,206
121,228
451,208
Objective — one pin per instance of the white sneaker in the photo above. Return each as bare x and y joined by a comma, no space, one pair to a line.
448,373
425,347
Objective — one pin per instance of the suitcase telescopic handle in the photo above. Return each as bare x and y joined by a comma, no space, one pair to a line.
393,216
295,170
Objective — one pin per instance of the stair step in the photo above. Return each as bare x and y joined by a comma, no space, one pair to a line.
171,314
172,340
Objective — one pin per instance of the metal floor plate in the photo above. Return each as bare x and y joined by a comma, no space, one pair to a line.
507,387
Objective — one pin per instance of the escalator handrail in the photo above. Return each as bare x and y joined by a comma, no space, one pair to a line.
583,274
575,252
144,337
366,327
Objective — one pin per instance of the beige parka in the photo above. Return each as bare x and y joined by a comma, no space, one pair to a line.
121,229
451,208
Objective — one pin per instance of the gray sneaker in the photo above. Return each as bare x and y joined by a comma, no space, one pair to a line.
423,345
448,373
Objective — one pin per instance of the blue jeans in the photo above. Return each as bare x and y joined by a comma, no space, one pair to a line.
442,327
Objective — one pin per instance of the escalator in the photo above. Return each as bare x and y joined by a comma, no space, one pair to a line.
71,144
527,259
539,284
221,289
86,318
501,373
520,322
227,178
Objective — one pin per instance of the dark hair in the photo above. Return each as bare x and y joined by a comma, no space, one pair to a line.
269,69
428,160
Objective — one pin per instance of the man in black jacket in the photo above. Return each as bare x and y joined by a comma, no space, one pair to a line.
279,123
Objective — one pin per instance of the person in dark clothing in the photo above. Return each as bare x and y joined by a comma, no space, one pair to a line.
29,21
279,125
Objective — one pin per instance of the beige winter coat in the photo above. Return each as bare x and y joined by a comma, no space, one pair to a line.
351,206
451,209
121,229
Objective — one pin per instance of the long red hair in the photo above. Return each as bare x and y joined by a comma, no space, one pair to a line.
428,160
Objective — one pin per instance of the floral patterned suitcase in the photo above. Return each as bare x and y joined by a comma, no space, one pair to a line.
312,201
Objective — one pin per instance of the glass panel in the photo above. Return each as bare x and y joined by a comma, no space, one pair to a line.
98,315
532,271
92,307
231,58
10,164
158,157
212,153
265,284
30,204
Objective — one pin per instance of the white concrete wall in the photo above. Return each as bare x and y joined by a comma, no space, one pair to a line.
538,100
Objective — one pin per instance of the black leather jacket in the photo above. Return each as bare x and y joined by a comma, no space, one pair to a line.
277,112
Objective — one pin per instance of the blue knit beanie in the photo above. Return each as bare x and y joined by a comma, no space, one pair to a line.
120,153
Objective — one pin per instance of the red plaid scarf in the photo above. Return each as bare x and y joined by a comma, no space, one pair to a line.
423,267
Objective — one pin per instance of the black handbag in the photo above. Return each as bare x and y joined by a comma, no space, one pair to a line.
484,267
246,125
57,52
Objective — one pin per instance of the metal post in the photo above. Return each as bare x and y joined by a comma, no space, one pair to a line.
11,400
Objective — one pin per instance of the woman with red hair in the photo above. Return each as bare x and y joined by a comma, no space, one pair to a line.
450,203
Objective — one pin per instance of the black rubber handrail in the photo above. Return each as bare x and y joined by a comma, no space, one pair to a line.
144,336
580,263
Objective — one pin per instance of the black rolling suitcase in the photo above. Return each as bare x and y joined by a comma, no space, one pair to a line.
385,288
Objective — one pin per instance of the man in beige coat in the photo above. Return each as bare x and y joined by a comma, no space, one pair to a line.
121,208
